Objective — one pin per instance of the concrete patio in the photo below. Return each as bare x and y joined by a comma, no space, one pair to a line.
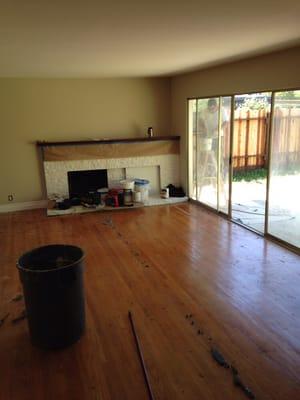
248,206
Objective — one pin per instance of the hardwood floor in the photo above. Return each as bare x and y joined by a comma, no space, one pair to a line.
162,263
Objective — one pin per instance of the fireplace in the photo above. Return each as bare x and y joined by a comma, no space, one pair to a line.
82,182
122,158
156,159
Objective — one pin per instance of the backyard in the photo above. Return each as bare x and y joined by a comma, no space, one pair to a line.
248,206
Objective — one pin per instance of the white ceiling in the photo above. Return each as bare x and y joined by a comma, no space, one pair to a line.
126,38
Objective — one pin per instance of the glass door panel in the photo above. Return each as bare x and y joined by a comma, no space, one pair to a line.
209,148
224,154
250,143
284,184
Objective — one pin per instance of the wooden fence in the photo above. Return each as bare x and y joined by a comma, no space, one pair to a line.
286,138
250,138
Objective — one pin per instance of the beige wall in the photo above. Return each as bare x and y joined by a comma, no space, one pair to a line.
68,109
273,71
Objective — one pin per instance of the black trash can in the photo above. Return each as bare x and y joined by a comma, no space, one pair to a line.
52,279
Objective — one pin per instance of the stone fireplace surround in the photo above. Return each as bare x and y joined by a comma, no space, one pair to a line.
123,158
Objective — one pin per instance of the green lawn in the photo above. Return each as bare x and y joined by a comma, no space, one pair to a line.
250,175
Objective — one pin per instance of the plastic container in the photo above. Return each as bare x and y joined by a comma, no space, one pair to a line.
52,279
142,186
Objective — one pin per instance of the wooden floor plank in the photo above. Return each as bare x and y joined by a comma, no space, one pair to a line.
162,263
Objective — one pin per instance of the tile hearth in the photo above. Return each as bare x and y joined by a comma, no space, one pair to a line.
152,201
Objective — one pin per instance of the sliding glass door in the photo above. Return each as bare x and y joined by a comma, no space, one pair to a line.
244,160
284,177
249,155
209,151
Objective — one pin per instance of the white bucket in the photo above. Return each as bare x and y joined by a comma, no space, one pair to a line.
164,193
127,184
137,197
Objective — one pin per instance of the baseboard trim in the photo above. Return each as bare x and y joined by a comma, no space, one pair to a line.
28,205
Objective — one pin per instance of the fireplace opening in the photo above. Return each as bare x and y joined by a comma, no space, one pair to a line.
82,182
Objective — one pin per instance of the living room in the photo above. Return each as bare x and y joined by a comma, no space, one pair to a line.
109,87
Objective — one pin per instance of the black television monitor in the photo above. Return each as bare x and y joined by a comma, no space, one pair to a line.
83,182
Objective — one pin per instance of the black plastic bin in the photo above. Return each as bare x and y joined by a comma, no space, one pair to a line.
52,279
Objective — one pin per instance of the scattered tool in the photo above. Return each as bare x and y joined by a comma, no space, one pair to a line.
139,349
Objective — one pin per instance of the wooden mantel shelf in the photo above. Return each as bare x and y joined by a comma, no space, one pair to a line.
109,148
106,141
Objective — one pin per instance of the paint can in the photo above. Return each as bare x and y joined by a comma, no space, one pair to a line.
137,197
164,193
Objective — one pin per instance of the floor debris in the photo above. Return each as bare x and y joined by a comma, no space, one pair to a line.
17,297
109,222
218,357
238,382
2,320
20,317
